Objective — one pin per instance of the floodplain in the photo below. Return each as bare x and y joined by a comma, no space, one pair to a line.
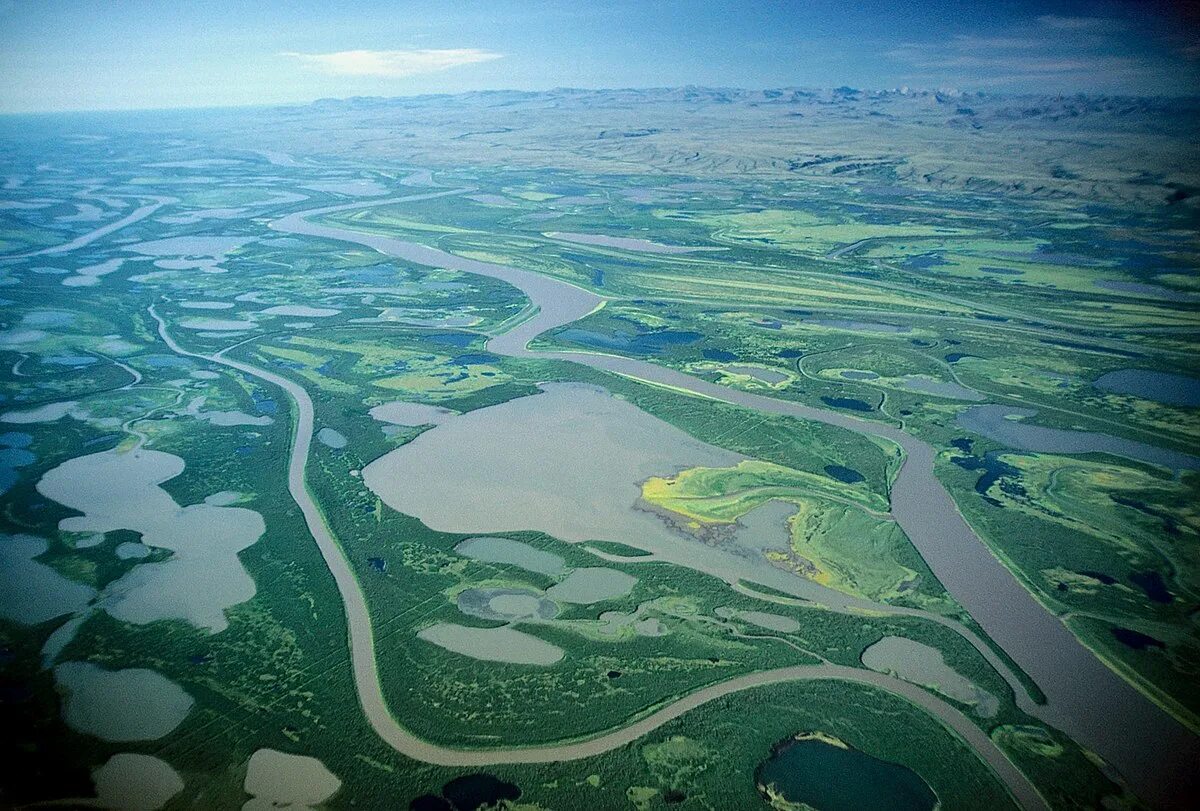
343,480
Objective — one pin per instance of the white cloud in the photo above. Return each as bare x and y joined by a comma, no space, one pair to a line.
393,64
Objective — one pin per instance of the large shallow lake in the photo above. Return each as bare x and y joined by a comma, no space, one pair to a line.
997,422
32,592
513,553
567,462
1162,387
492,644
135,782
120,705
201,579
922,664
277,779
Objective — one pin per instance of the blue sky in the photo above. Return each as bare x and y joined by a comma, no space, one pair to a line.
133,54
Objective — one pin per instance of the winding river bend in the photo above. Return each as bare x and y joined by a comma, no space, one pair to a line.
1152,751
370,690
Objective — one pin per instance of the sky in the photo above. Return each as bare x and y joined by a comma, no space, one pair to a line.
58,55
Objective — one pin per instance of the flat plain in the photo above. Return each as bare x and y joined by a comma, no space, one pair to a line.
360,454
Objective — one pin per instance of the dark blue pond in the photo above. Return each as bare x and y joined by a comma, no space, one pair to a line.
847,475
468,793
1161,387
848,403
1136,639
1151,582
815,774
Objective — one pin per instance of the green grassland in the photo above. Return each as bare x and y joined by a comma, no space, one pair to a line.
277,676
1106,545
1016,314
814,280
457,700
839,539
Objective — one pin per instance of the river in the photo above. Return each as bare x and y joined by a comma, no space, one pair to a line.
1156,754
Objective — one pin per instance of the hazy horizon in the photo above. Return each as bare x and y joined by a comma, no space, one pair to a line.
80,55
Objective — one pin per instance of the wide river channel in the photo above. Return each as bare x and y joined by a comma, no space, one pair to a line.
1157,755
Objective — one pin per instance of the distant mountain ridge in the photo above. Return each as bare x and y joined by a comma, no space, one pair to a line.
1106,149
1011,106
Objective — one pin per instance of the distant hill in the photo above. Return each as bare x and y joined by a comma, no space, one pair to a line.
1091,148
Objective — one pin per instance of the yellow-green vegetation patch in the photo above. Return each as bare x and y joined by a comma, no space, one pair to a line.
309,368
458,318
747,375
427,376
803,231
821,737
1158,417
898,248
383,218
1120,314
641,797
851,551
636,315
722,495
1032,739
372,356
487,256
838,537
294,355
444,382
1046,378
678,761
1080,583
1181,280
1018,273
747,288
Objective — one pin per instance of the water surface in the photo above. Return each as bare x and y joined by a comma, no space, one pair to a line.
941,388
993,422
770,376
120,705
592,585
135,782
922,664
203,576
824,776
280,780
512,553
1162,387
32,592
492,644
